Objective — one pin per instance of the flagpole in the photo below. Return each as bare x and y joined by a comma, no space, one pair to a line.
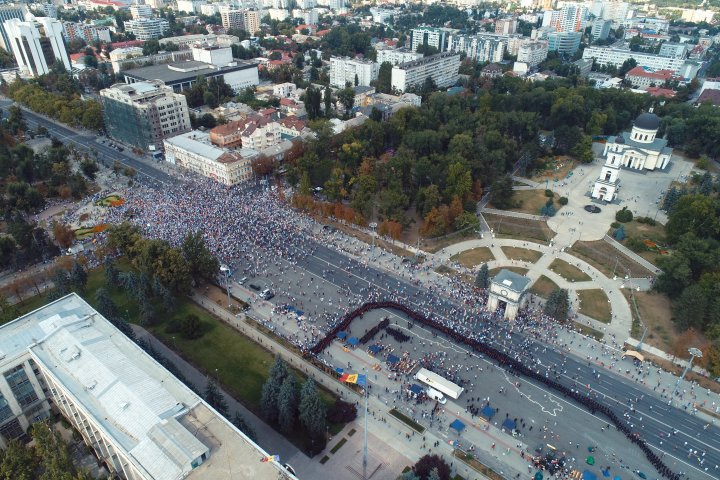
365,446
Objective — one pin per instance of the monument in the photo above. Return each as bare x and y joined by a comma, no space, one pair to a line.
506,291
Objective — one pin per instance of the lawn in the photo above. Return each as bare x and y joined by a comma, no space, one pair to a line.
519,270
522,254
473,257
407,420
83,233
589,331
529,201
652,235
110,201
478,466
595,304
509,227
656,314
555,169
607,259
569,272
543,286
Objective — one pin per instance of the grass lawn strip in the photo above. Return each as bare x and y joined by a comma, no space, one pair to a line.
569,272
407,420
589,331
543,286
608,259
324,459
519,228
338,445
522,254
595,304
656,314
477,465
530,201
473,257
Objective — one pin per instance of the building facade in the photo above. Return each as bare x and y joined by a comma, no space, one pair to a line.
481,48
144,113
506,26
37,44
532,52
141,11
433,37
194,151
139,419
248,20
147,28
87,32
617,56
442,68
6,13
187,41
644,78
395,55
345,70
600,29
564,43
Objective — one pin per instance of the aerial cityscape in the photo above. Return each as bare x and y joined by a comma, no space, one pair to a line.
354,239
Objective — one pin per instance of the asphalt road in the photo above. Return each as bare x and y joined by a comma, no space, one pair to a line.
146,173
667,429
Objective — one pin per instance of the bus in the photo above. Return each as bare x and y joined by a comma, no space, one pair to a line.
439,383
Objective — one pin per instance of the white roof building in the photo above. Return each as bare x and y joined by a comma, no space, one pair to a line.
140,419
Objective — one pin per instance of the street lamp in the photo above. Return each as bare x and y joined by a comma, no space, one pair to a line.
694,352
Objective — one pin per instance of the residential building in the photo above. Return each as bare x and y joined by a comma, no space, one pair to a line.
131,57
147,28
648,24
480,47
50,10
6,13
291,127
346,70
278,14
615,11
209,9
532,52
564,43
617,56
506,26
188,6
492,70
584,66
138,418
283,90
395,55
248,20
643,77
571,18
37,44
195,152
600,29
433,37
256,131
144,113
442,68
141,11
674,50
186,41
86,32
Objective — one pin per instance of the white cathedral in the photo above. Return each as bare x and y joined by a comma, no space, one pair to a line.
639,149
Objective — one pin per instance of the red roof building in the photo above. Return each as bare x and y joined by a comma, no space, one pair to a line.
643,77
660,92
709,95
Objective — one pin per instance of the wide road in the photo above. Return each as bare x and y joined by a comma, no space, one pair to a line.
665,428
146,173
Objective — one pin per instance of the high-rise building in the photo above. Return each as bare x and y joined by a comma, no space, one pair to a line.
614,11
85,31
141,11
345,70
144,113
442,68
37,44
248,20
533,52
6,13
564,43
506,26
395,55
433,37
600,29
480,47
138,418
571,18
147,28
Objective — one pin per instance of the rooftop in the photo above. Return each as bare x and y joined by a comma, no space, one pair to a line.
511,280
161,425
190,69
198,142
425,60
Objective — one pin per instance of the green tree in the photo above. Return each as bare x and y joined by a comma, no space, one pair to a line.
328,98
89,168
104,303
429,463
78,276
346,96
271,390
383,84
502,192
690,308
191,327
7,311
287,404
482,280
17,462
215,397
459,181
52,452
312,102
312,411
242,425
202,265
558,304
694,213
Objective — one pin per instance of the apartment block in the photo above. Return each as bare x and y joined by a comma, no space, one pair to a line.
533,52
395,55
248,20
144,113
434,37
617,56
506,26
147,28
345,70
481,48
442,68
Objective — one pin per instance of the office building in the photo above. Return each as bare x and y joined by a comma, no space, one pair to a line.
37,44
144,113
506,26
600,29
140,420
674,50
442,68
564,43
147,28
615,11
141,11
248,20
433,37
643,77
617,56
647,24
194,151
187,41
395,55
346,70
480,47
532,52
6,13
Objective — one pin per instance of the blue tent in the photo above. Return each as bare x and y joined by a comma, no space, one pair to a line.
458,425
290,308
488,412
299,313
392,359
353,341
339,370
588,475
416,389
375,348
510,424
341,335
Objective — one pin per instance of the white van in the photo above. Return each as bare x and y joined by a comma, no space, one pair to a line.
435,395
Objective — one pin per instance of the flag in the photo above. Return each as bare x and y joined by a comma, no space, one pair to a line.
354,378
270,458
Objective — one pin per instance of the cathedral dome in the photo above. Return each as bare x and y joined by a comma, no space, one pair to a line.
648,121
